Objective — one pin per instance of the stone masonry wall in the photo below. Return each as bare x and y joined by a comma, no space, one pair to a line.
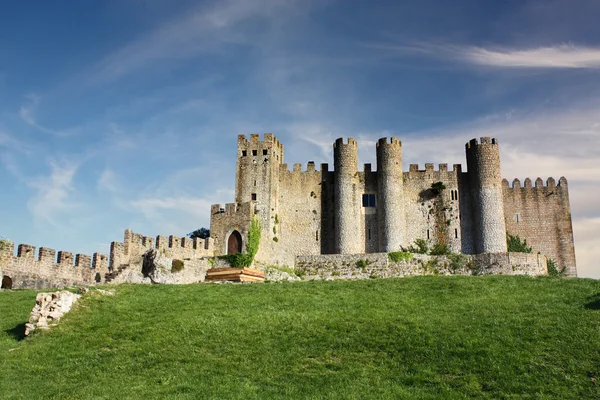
541,215
50,269
135,245
378,265
436,219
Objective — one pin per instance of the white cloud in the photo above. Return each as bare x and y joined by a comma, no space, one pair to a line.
52,195
558,56
107,181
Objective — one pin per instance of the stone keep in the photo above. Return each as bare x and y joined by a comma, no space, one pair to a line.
347,211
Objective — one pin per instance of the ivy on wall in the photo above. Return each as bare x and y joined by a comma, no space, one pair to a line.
244,260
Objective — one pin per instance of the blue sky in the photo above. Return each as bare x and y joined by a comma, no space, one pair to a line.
122,114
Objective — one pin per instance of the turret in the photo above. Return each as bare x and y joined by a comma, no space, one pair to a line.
346,197
390,187
483,164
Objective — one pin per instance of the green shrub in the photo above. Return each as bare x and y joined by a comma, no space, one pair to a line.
362,263
514,244
176,266
440,250
276,239
400,256
553,270
421,247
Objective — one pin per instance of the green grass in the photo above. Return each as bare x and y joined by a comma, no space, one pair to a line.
414,338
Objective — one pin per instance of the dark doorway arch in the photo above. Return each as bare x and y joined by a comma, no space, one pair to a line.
6,282
234,243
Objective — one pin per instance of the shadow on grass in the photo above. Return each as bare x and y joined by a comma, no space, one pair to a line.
593,303
18,332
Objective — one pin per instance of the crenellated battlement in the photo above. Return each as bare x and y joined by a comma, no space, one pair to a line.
539,183
135,245
254,147
297,168
442,173
339,142
49,268
391,142
474,143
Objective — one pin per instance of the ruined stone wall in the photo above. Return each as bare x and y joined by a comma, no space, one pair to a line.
134,245
435,218
50,269
541,215
378,265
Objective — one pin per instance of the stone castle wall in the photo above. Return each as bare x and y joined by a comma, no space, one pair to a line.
378,265
50,269
541,214
313,212
135,245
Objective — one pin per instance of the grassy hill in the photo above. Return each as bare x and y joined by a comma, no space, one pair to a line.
423,337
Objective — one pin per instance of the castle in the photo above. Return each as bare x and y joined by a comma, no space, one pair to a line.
347,211
323,222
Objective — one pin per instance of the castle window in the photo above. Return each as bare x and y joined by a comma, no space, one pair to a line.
317,235
456,195
427,233
254,183
244,153
455,233
254,152
253,196
369,234
265,151
368,200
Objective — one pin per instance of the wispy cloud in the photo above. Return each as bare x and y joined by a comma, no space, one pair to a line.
201,29
52,195
27,113
558,56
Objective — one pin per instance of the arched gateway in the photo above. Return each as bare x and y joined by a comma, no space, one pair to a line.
234,243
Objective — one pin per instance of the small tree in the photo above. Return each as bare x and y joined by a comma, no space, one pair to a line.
437,188
201,233
514,244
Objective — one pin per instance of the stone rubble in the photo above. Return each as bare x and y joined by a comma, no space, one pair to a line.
49,309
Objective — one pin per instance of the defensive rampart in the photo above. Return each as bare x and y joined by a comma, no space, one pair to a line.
379,265
49,269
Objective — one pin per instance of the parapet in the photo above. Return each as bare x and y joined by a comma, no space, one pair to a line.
232,208
482,141
539,183
136,245
339,142
429,172
254,142
392,142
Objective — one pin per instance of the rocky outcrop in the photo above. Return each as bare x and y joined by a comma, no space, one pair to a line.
159,268
49,309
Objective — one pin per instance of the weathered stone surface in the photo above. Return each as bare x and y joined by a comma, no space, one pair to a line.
49,309
378,265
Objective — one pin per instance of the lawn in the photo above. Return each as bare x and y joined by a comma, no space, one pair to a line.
422,337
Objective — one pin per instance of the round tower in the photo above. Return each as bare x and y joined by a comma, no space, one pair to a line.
346,197
390,190
483,164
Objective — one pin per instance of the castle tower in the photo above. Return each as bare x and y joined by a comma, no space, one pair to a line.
257,174
346,197
483,164
390,188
